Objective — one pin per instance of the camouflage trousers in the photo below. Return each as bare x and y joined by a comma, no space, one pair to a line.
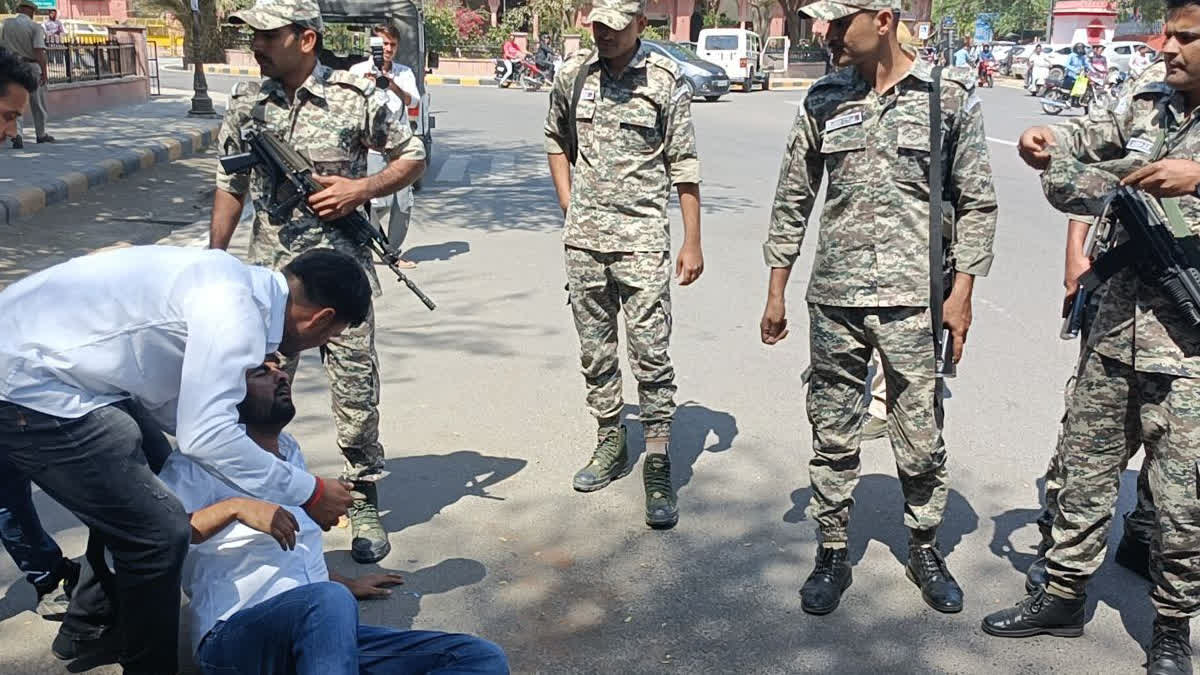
351,365
842,340
1115,410
600,286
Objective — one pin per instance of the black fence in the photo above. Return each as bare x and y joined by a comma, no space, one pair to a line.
78,61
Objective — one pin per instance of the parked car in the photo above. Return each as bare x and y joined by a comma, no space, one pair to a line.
1017,61
705,78
690,46
1119,53
738,51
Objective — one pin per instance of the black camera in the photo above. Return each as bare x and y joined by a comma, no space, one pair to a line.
381,81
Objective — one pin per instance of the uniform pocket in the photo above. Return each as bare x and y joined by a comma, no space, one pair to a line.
638,131
329,161
912,152
845,153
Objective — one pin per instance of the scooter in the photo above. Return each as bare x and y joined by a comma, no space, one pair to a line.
1058,98
987,73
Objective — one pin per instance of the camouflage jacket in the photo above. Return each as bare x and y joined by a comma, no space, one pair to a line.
873,249
1136,323
334,119
635,141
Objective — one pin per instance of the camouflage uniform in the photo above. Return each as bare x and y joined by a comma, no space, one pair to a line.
334,118
635,141
1139,382
870,282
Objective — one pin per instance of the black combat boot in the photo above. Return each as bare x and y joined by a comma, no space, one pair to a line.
369,542
1134,555
1170,647
662,510
610,461
831,576
1040,613
927,568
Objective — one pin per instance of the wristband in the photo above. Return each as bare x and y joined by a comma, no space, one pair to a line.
317,492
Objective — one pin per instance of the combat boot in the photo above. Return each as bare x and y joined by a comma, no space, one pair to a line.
1170,647
831,576
927,569
1134,555
662,509
1039,613
610,461
369,541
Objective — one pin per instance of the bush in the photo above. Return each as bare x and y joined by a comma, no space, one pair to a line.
471,24
659,33
441,28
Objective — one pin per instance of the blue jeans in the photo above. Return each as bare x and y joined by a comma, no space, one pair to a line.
314,630
21,532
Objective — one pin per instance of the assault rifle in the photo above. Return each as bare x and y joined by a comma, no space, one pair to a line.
291,183
1165,252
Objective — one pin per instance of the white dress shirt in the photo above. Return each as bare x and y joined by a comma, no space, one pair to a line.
403,77
239,567
175,329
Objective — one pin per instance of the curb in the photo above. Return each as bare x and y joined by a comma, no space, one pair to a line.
25,200
248,71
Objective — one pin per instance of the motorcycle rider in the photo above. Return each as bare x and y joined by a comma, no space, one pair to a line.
985,57
543,58
1076,65
512,54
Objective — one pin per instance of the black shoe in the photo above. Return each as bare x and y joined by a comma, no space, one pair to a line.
54,592
610,461
1134,555
662,509
1040,613
831,576
927,569
1036,576
17,143
1170,647
100,650
369,542
45,139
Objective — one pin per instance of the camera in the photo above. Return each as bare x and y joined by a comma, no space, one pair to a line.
376,44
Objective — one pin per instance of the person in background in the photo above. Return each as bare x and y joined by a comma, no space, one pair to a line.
55,31
962,57
390,213
1140,61
26,39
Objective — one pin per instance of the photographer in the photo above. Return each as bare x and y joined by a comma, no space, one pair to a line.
402,86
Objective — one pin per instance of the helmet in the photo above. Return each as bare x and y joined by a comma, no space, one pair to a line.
1079,48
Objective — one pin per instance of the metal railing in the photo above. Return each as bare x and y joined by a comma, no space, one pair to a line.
76,61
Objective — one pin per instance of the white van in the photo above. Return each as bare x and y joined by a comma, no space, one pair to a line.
738,51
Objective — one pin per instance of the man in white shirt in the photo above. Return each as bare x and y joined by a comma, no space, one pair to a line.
55,31
98,352
262,600
390,213
1140,61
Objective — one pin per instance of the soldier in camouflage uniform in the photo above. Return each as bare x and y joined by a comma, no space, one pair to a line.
1139,383
867,127
626,111
1133,552
333,118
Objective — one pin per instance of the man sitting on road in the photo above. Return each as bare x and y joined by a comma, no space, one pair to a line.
262,600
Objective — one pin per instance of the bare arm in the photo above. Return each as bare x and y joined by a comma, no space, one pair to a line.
262,516
774,321
226,211
368,586
560,173
1076,260
690,264
343,195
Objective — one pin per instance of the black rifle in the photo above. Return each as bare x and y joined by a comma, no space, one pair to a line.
941,274
291,183
1161,257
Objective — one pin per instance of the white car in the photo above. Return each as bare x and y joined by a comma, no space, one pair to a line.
1119,53
738,51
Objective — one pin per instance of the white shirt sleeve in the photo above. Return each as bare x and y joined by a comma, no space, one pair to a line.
406,80
226,338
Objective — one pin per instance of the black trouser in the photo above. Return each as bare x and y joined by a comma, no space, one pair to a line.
96,466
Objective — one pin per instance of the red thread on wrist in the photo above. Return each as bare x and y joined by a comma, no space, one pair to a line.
317,491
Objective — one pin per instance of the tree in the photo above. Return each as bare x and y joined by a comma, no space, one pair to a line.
1012,16
791,18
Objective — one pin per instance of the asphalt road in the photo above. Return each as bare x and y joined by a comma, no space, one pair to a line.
484,424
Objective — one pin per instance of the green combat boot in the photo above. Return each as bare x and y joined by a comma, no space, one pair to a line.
369,541
609,462
662,511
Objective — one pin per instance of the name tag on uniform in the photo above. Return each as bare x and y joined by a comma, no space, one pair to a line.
847,120
1139,145
588,95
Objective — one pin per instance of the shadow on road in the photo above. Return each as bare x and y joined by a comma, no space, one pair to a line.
428,252
690,433
420,487
399,609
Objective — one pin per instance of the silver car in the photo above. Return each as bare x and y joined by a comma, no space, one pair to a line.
706,79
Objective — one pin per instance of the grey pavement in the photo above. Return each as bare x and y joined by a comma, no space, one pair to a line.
484,424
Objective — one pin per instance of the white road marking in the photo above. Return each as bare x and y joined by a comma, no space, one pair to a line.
1001,141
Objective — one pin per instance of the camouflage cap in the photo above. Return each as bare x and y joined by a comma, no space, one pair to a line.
832,10
616,14
272,14
1074,187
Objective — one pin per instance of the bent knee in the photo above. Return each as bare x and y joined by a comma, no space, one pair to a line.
485,655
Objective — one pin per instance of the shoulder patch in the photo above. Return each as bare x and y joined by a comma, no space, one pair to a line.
246,88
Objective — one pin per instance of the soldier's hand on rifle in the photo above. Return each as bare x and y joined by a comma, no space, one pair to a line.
956,316
1077,264
1034,146
340,196
1166,178
774,322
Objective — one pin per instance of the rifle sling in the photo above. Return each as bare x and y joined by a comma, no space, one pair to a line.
577,92
937,291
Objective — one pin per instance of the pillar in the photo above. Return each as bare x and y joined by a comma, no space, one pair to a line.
494,6
681,20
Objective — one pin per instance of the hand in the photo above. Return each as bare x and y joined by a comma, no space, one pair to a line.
340,196
956,315
42,79
1166,178
1076,266
1034,146
269,519
333,504
371,586
774,322
690,265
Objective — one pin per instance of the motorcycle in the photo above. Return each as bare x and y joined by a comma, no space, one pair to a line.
507,72
534,77
987,73
1083,94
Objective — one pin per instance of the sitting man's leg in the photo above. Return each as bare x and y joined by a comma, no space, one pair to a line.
35,553
389,651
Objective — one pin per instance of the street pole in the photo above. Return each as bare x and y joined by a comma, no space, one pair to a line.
1049,21
202,105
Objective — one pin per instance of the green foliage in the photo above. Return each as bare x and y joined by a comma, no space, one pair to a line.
1012,16
1149,10
656,33
713,19
441,29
